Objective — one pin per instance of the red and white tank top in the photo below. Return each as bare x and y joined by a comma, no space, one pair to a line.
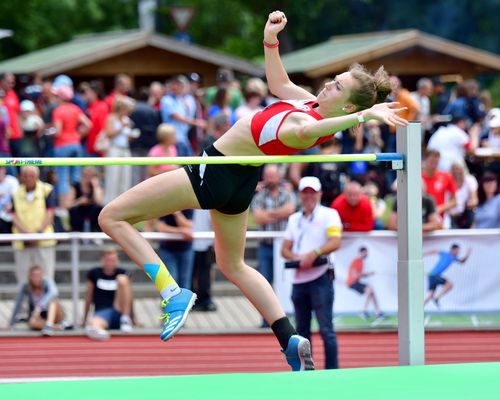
266,124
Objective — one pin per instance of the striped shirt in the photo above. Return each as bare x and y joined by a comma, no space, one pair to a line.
265,201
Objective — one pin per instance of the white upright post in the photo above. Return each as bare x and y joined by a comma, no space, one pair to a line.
410,263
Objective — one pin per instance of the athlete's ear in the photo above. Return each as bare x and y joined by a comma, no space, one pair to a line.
349,108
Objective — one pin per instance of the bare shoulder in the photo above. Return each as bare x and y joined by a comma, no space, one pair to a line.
290,129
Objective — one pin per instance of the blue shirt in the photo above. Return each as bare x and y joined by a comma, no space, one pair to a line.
175,105
444,262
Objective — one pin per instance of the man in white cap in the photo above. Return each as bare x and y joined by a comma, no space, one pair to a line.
311,236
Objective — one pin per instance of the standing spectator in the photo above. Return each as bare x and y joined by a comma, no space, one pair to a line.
167,139
255,93
8,185
178,254
4,131
33,212
311,233
467,103
225,79
97,110
403,96
462,215
122,88
44,309
86,201
354,208
221,104
76,99
11,102
492,136
355,275
438,184
220,125
195,104
439,98
118,178
452,141
422,98
271,208
488,208
71,124
204,257
32,125
156,92
175,111
146,119
109,289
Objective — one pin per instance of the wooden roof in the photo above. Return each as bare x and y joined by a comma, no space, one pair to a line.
96,48
339,52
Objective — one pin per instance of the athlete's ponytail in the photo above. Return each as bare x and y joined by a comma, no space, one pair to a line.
371,89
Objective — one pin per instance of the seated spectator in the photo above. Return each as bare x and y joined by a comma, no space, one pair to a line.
438,184
488,208
431,220
354,208
452,142
44,309
86,201
109,289
167,139
371,189
8,185
462,216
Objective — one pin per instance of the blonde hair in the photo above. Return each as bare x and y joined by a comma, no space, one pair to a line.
165,131
372,89
123,103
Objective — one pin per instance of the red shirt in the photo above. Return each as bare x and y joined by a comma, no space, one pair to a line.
266,124
69,115
438,185
11,102
98,112
355,219
355,271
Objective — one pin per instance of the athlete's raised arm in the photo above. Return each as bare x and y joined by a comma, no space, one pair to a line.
277,78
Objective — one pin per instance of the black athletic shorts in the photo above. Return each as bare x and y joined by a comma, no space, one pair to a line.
227,188
435,281
358,287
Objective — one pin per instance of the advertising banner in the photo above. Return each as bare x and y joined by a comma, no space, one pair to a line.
469,272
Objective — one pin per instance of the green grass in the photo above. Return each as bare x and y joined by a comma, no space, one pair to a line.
434,320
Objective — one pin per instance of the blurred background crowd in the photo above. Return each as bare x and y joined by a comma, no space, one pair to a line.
181,116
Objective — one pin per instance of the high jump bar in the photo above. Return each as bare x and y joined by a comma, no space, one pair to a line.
104,161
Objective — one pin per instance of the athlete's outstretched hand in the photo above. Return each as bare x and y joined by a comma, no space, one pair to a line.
275,24
386,113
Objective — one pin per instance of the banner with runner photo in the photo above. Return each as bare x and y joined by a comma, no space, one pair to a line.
462,272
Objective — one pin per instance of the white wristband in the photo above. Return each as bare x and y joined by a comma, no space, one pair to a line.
361,117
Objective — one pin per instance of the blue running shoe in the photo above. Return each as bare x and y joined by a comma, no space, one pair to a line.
176,310
298,354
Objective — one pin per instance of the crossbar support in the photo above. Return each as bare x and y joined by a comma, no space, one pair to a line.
410,264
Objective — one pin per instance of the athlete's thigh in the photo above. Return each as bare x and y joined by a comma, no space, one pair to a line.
160,195
230,236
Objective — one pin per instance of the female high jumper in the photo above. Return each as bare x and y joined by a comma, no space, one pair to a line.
285,127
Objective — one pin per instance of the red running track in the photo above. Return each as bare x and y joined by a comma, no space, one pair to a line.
74,356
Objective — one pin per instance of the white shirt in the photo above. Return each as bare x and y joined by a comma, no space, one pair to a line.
450,141
202,223
309,233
